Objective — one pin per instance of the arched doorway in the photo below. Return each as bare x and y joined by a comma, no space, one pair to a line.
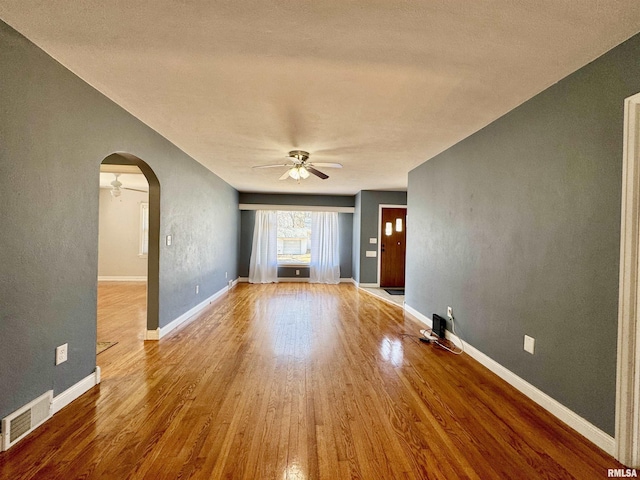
153,251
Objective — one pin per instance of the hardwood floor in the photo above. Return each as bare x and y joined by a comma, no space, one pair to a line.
295,381
122,311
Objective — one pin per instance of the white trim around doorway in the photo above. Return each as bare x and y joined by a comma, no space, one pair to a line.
627,434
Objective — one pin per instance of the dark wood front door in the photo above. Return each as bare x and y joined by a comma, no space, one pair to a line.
393,247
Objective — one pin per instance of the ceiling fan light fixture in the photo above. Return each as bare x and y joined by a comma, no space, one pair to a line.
294,173
300,168
115,186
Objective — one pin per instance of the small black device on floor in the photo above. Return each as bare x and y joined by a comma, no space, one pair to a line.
438,325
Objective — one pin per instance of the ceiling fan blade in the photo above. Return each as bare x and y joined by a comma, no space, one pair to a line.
135,189
273,166
285,175
317,173
326,165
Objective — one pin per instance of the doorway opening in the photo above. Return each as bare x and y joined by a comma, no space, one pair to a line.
128,253
627,435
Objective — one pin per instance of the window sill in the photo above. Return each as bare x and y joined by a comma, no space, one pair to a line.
293,265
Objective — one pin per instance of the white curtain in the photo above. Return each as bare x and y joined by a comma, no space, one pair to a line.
263,266
325,251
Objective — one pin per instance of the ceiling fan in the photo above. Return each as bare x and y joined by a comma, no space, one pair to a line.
116,187
300,167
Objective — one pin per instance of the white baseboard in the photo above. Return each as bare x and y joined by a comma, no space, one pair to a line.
568,416
73,392
602,439
53,405
152,334
418,316
122,278
367,285
158,333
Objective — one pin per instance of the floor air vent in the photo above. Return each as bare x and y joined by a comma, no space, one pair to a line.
25,420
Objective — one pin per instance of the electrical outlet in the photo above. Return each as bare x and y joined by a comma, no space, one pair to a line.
169,240
197,289
529,344
61,353
226,274
297,272
450,312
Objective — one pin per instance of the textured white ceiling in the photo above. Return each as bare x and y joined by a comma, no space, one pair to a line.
377,85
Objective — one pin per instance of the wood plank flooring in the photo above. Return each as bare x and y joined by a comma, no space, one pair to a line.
294,381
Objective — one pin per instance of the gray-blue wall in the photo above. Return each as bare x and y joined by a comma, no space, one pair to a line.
518,229
355,254
54,132
248,220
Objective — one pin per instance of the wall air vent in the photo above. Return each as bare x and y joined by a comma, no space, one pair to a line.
26,419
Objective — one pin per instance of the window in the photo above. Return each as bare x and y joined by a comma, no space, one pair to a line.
144,229
294,238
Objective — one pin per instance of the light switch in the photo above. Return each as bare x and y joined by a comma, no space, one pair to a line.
371,253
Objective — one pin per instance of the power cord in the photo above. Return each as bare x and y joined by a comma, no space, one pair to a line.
414,338
427,337
459,352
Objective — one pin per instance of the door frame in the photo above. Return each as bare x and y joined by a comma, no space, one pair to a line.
627,434
153,256
379,237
